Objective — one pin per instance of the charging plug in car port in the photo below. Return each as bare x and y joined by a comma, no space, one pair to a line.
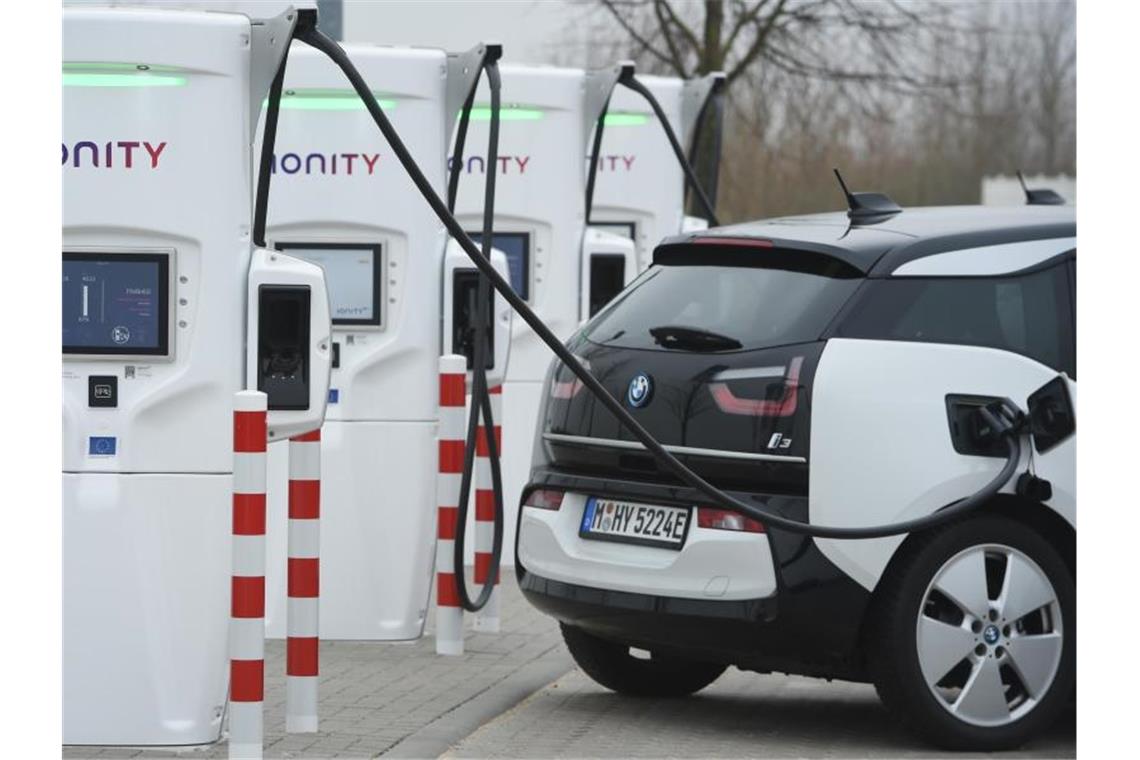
970,431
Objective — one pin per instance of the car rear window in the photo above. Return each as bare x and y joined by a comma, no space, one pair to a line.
698,307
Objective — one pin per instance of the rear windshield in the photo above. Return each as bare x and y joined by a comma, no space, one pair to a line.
693,307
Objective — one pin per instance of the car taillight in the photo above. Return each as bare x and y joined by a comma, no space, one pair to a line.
723,519
567,389
744,242
543,498
730,403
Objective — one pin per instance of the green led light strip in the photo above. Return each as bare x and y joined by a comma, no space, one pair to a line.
518,113
327,100
120,75
506,113
625,119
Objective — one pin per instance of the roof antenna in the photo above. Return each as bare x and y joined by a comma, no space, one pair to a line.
867,208
1040,197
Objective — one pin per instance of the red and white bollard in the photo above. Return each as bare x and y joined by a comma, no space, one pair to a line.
247,588
452,400
487,619
302,611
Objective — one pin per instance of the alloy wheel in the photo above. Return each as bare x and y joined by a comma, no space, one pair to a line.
989,635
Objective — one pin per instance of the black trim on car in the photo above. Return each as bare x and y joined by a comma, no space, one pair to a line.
873,290
795,255
743,610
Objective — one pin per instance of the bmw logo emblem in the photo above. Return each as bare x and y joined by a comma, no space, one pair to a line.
640,390
991,634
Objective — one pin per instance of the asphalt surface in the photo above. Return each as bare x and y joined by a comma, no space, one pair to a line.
741,715
516,694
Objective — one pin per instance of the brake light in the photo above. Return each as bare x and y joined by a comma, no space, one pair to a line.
542,498
730,403
745,242
723,519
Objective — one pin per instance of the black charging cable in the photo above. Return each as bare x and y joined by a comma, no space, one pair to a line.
1002,417
627,79
480,395
268,142
480,392
711,114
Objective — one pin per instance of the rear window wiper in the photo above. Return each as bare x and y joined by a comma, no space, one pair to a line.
692,339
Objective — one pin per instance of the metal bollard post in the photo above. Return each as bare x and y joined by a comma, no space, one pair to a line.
247,588
487,619
302,611
452,400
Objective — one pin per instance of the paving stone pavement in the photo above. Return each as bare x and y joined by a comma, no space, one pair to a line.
400,699
740,715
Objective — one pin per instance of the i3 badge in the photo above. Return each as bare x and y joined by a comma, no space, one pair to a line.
640,390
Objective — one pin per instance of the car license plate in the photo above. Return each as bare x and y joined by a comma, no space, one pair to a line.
625,522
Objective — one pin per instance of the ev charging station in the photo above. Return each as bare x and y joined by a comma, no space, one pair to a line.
546,120
401,295
169,309
640,186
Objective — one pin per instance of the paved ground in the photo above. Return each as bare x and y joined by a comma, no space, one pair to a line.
401,700
515,695
741,715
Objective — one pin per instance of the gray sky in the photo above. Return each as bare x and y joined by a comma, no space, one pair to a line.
531,31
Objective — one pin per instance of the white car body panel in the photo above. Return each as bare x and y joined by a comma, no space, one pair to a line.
880,442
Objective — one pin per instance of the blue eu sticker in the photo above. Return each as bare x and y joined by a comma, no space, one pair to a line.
334,395
101,446
588,517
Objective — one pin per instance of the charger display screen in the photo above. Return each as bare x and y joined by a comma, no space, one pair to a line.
116,303
516,247
353,275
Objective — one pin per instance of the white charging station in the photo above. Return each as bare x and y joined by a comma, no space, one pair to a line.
168,310
339,198
546,121
640,187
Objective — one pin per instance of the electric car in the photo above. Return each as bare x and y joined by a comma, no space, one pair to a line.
829,369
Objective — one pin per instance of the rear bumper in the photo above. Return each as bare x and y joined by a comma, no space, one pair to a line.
798,613
712,565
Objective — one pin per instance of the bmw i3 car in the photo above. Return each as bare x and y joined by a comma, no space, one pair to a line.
826,371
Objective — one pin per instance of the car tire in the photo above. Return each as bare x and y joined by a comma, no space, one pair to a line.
611,665
1018,665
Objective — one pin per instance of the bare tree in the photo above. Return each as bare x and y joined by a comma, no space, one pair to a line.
795,36
919,99
1054,85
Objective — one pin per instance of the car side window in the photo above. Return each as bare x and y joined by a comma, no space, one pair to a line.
1028,314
